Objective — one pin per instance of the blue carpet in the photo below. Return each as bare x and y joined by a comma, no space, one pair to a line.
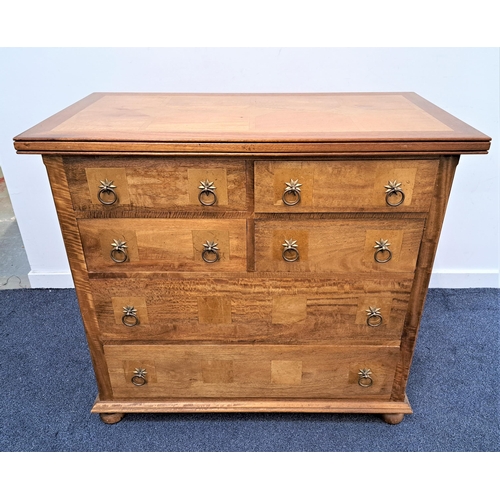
48,389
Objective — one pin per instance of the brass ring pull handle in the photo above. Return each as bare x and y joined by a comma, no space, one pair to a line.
381,250
129,317
107,188
291,194
210,252
207,196
139,377
365,378
374,318
119,252
393,189
290,252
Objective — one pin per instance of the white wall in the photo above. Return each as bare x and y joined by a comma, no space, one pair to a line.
36,83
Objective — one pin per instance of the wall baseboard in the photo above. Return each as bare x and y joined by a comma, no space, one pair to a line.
440,279
463,279
50,280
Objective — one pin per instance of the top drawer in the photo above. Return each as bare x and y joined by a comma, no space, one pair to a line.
345,185
156,182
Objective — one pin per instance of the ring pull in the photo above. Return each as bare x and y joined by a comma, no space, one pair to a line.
393,189
365,377
129,317
290,252
207,196
381,249
210,253
291,194
139,377
107,188
119,252
374,318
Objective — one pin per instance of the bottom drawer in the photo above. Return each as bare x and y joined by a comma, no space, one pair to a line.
251,371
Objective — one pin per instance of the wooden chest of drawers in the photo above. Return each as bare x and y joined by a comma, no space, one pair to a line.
251,252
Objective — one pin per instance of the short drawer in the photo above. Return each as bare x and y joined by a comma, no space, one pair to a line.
208,309
127,245
338,245
155,182
186,371
344,185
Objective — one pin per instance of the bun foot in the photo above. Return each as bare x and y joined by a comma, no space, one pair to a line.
393,418
111,418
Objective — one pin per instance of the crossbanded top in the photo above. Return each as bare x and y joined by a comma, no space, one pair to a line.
244,118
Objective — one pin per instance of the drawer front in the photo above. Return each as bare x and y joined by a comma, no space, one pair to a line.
345,185
270,310
186,371
341,246
127,245
158,183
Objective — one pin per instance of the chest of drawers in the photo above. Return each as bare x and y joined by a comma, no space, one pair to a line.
251,252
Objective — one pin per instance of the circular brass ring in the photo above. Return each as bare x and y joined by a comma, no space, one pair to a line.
366,381
136,378
401,198
130,320
207,193
118,251
374,320
210,260
382,261
295,253
296,197
107,190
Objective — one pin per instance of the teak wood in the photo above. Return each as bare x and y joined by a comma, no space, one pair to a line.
294,313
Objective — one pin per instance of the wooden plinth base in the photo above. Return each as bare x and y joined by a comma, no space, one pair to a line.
392,411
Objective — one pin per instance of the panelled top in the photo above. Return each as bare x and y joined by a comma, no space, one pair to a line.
346,123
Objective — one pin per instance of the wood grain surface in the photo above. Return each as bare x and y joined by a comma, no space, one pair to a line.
156,183
206,309
164,244
343,245
253,117
74,250
256,150
423,272
142,119
252,405
223,371
345,186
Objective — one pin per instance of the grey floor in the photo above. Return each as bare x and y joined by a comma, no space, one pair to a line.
14,265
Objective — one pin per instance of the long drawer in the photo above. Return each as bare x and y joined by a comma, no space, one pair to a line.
183,371
205,309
